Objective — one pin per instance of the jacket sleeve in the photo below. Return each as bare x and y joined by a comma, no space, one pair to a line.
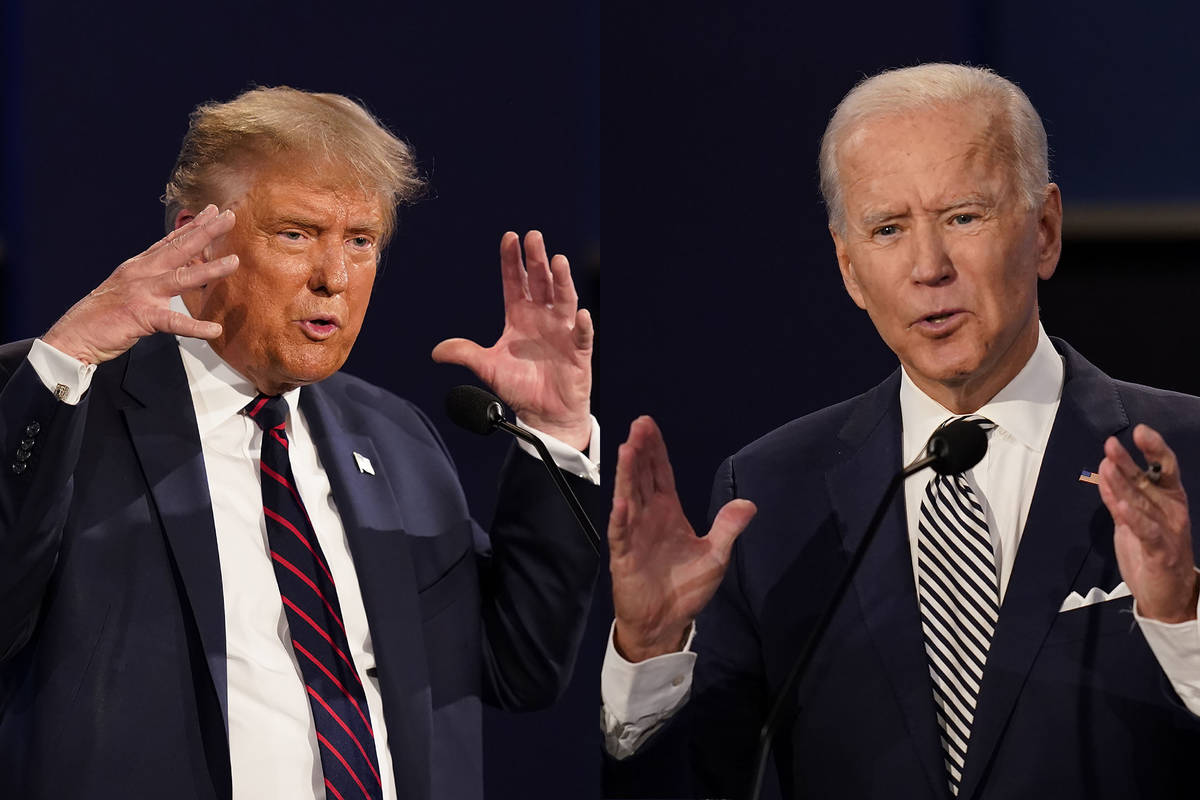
536,585
40,440
536,572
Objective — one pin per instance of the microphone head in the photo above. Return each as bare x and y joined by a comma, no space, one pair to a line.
473,408
957,446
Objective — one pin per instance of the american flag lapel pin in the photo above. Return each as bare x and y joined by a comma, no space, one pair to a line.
364,464
1084,475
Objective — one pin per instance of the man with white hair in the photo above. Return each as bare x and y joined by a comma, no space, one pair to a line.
986,647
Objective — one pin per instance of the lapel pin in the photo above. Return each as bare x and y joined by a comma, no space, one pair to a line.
364,464
1084,475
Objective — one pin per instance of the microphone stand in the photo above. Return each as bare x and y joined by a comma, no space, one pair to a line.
771,724
496,419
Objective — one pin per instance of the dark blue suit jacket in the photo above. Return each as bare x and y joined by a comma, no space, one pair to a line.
112,631
1073,705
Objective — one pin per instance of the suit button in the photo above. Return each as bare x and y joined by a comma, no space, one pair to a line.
19,466
26,444
22,455
33,429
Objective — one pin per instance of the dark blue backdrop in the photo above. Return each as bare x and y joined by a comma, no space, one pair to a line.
688,132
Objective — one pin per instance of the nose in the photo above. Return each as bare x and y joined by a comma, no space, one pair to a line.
330,270
931,262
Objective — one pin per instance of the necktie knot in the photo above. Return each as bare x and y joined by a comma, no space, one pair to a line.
985,423
967,449
268,412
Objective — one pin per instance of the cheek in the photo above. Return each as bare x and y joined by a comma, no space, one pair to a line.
359,297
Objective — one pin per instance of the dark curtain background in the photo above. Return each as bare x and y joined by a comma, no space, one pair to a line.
688,132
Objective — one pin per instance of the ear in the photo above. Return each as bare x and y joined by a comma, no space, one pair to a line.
848,276
1050,232
184,216
192,297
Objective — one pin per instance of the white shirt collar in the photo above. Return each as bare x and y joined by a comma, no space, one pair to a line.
1024,409
218,390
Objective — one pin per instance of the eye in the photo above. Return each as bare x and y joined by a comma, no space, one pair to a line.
360,242
963,219
292,236
887,230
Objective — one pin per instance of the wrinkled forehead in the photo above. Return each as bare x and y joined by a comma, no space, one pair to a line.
952,125
928,144
261,178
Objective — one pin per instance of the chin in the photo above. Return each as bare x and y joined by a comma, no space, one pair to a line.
948,370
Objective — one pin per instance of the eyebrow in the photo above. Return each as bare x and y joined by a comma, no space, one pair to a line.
873,218
292,219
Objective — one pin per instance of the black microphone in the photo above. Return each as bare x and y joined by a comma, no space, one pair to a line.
953,448
481,412
474,409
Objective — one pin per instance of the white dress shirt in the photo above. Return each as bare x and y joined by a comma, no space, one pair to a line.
272,740
639,698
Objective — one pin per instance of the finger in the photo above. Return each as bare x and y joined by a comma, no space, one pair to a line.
660,462
1154,448
1135,522
647,439
618,527
206,214
564,295
1115,452
168,321
190,276
641,459
172,238
187,242
584,334
625,484
1125,497
537,267
729,523
463,352
512,273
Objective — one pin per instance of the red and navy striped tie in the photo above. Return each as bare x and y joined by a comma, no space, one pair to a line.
335,694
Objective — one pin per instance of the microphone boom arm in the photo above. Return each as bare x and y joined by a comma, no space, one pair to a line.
496,417
771,724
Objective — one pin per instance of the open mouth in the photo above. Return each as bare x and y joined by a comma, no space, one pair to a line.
319,327
940,321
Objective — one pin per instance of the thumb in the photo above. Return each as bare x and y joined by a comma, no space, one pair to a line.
463,352
730,521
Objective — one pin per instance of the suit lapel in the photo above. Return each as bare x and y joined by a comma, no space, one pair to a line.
884,584
1054,546
162,426
380,549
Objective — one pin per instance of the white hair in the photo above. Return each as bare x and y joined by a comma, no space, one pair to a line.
1021,140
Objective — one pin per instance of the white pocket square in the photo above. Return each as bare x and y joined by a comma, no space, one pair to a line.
1095,595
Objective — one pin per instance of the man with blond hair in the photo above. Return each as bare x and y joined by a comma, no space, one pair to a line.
986,647
229,570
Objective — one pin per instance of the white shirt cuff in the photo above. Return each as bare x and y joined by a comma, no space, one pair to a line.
566,457
67,377
1177,648
639,698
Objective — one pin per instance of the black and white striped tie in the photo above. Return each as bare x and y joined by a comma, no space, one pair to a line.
959,596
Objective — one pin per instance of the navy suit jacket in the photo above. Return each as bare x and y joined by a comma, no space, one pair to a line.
1072,705
112,631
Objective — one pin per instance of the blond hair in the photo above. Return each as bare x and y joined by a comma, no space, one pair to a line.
267,122
1021,137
